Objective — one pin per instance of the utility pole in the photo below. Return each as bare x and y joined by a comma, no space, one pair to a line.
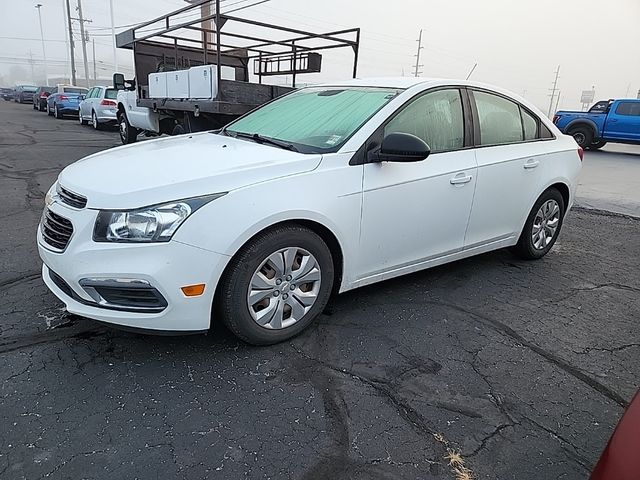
71,47
558,100
553,91
472,70
84,43
33,75
113,39
416,71
44,53
66,41
95,71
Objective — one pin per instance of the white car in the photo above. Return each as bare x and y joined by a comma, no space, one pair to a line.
323,190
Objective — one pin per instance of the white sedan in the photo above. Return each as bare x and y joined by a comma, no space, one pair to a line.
323,190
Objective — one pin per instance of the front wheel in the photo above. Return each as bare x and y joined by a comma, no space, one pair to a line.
276,285
128,134
80,119
542,227
597,145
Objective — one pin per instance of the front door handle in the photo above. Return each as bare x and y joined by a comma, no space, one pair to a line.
460,179
531,163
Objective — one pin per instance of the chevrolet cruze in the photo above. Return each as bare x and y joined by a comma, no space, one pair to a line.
323,190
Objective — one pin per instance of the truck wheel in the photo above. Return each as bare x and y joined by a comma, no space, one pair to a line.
597,145
582,135
128,134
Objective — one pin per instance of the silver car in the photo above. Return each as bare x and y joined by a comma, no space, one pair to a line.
99,107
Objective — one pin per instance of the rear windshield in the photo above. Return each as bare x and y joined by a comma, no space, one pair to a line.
79,91
111,93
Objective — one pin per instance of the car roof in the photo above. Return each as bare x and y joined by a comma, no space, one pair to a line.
408,82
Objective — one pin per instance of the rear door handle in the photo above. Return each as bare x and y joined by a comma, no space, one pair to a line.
531,163
460,179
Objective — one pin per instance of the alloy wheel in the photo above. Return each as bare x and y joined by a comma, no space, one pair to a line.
284,288
545,224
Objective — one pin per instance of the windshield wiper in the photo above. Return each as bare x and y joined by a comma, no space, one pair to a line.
260,139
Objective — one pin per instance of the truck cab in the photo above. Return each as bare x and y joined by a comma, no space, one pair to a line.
615,121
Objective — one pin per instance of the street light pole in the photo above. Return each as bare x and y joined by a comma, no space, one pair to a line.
113,39
44,53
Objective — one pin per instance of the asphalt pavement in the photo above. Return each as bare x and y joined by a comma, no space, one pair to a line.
514,369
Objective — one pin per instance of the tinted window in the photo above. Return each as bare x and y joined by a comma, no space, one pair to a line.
79,91
435,117
545,132
530,126
628,108
499,119
111,93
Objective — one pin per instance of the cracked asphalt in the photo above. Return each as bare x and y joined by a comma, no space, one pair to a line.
523,368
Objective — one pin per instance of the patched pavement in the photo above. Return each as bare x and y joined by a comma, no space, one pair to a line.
521,368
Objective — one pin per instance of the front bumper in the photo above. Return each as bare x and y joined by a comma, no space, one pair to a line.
166,267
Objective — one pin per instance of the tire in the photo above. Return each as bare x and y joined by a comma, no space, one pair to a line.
80,119
233,304
42,107
35,107
49,112
583,136
526,248
56,112
128,134
597,145
94,122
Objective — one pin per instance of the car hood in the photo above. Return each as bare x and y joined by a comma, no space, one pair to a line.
174,168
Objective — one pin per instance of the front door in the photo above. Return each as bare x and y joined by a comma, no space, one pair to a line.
623,123
414,212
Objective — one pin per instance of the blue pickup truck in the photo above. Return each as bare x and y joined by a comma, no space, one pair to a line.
616,121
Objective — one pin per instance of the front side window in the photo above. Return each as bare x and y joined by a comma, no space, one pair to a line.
628,108
315,119
435,117
500,120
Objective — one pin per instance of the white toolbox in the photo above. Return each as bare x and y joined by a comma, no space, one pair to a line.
178,84
203,80
158,85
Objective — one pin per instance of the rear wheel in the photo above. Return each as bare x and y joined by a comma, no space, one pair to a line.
583,136
49,111
94,121
276,285
35,107
57,113
128,134
542,227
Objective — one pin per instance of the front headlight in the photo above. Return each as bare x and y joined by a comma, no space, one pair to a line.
156,223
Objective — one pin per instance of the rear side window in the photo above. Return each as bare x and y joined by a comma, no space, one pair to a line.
530,125
111,94
628,108
435,117
500,120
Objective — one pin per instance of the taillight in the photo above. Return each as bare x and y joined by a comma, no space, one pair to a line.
108,103
556,118
581,153
62,97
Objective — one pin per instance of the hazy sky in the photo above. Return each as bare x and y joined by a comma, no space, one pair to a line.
517,44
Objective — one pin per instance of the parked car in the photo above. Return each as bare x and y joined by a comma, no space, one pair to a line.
7,94
322,190
40,98
65,100
620,460
99,107
617,122
24,93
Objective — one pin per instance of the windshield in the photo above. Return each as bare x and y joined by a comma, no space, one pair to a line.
316,119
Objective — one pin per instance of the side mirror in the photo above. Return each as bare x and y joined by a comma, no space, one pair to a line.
118,81
401,147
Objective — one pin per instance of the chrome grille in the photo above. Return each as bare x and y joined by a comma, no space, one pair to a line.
56,230
70,198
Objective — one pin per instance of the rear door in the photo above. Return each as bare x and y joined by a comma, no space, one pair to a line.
512,157
623,121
